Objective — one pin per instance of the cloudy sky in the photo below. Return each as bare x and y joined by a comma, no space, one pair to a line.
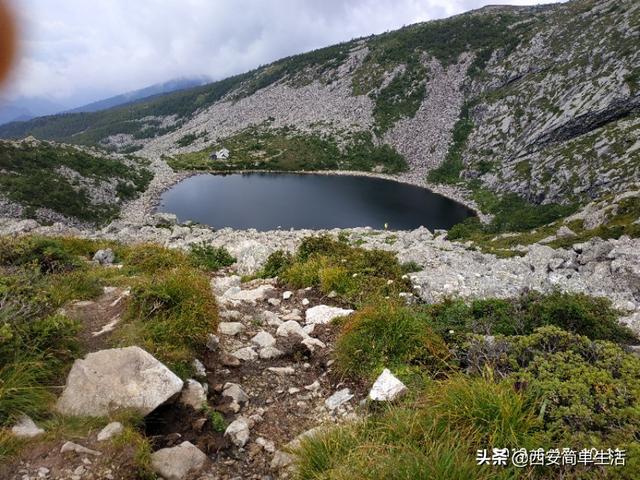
76,51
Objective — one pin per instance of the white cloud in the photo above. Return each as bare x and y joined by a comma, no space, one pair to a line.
75,51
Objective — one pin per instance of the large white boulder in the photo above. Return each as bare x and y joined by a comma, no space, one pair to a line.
116,379
387,387
178,462
324,314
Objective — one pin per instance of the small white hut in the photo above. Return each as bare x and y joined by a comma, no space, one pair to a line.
221,154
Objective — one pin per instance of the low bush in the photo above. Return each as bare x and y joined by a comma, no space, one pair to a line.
593,317
389,336
277,263
209,257
358,276
47,254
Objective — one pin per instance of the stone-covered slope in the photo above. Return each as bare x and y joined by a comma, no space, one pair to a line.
539,101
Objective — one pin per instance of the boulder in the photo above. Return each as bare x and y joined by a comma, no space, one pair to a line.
221,284
238,432
104,256
77,448
263,339
236,394
26,428
247,354
324,314
230,328
387,387
162,219
193,395
120,378
178,462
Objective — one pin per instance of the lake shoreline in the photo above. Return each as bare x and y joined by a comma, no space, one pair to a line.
146,205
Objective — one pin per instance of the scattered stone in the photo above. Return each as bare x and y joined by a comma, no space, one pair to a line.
229,360
305,302
270,318
324,314
274,301
282,370
263,339
287,295
311,343
193,395
112,429
313,387
247,354
230,328
338,399
198,366
117,379
267,445
565,232
291,327
178,462
104,256
267,353
213,342
162,219
238,397
238,432
26,428
387,387
235,295
221,284
76,448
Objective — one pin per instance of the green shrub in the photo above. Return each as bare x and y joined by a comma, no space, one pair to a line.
388,336
586,391
593,317
170,316
209,257
277,263
47,254
578,313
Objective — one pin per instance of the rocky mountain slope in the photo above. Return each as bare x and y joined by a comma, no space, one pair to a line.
538,101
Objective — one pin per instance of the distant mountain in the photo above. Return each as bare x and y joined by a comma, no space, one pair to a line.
135,95
26,108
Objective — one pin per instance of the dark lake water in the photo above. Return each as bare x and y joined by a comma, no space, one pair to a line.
266,201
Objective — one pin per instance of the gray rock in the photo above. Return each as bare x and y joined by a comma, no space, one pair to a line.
117,379
324,314
193,395
268,353
565,232
112,429
198,366
76,448
238,432
247,354
387,387
26,428
221,284
178,462
230,328
163,219
291,327
213,342
263,339
104,256
237,395
338,399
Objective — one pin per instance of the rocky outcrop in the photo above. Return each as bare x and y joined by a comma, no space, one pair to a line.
178,463
117,379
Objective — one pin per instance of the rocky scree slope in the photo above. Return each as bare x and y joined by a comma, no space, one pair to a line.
538,101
